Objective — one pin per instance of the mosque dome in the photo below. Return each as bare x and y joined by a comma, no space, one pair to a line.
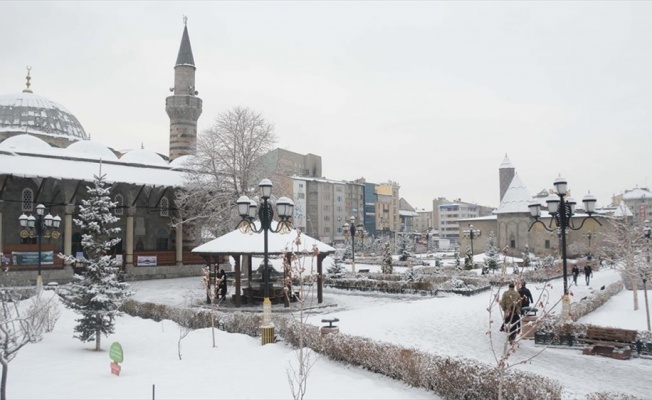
91,150
31,113
26,143
182,162
143,157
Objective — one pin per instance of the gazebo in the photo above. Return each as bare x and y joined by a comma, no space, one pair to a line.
243,246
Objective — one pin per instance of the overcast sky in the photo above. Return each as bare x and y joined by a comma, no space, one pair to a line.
431,95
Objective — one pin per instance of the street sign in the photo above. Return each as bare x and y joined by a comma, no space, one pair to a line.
115,353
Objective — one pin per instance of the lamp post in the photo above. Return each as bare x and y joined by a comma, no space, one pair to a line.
589,236
472,234
40,226
561,210
248,209
350,230
647,233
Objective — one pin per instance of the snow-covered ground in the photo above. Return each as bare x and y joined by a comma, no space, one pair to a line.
61,367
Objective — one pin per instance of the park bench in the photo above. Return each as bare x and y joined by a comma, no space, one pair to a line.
609,342
330,322
363,271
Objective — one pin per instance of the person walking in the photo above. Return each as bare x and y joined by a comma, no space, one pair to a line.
588,273
223,288
576,272
526,297
511,306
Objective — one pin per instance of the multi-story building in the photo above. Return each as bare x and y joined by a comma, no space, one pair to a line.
449,216
280,165
387,208
407,215
370,199
423,220
323,206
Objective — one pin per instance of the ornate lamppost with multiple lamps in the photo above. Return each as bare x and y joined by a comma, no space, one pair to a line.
41,226
248,209
647,233
561,210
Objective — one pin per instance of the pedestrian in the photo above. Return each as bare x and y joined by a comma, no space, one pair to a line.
576,272
511,306
223,284
588,273
526,297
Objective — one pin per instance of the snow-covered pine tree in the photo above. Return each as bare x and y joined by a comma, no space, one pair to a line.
97,293
492,256
387,267
336,270
405,246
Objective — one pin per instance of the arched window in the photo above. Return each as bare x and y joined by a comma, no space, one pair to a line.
119,200
28,200
165,207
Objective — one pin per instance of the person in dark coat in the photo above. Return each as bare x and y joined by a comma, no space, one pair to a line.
526,297
576,272
588,273
223,289
511,306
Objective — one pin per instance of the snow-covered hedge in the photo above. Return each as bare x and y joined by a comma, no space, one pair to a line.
448,377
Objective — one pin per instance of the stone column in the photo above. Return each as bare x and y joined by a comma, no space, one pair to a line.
1,227
129,239
69,209
179,244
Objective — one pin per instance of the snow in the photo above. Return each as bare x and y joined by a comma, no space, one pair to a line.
144,157
90,149
61,367
238,243
517,198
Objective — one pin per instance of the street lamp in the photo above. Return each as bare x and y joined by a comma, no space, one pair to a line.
589,236
647,233
39,227
471,234
248,209
562,209
350,230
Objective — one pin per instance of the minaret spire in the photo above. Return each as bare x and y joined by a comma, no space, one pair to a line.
183,107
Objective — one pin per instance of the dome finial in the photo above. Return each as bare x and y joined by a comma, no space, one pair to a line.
28,77
185,20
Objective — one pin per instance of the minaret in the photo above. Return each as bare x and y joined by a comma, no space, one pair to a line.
183,107
505,175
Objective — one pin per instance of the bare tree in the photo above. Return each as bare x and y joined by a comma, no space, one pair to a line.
627,247
227,164
304,276
22,321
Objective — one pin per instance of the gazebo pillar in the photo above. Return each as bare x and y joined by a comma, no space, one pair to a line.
238,299
320,278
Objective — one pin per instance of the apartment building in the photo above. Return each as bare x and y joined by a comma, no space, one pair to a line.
323,206
387,208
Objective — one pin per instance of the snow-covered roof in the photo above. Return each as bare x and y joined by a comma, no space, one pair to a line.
516,199
91,150
637,194
236,242
407,213
26,143
506,163
27,111
181,162
143,157
25,165
622,211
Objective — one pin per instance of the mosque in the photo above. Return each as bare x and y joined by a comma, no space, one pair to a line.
47,158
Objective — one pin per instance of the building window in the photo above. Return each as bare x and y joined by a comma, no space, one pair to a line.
301,185
327,196
327,208
512,243
327,229
327,217
301,196
119,202
28,200
165,207
547,244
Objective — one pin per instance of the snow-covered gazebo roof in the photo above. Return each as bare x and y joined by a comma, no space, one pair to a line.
236,242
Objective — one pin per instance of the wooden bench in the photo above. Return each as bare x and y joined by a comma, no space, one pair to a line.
609,342
363,271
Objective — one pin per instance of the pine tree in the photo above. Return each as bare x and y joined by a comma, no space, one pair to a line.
387,267
405,246
337,269
97,293
492,256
